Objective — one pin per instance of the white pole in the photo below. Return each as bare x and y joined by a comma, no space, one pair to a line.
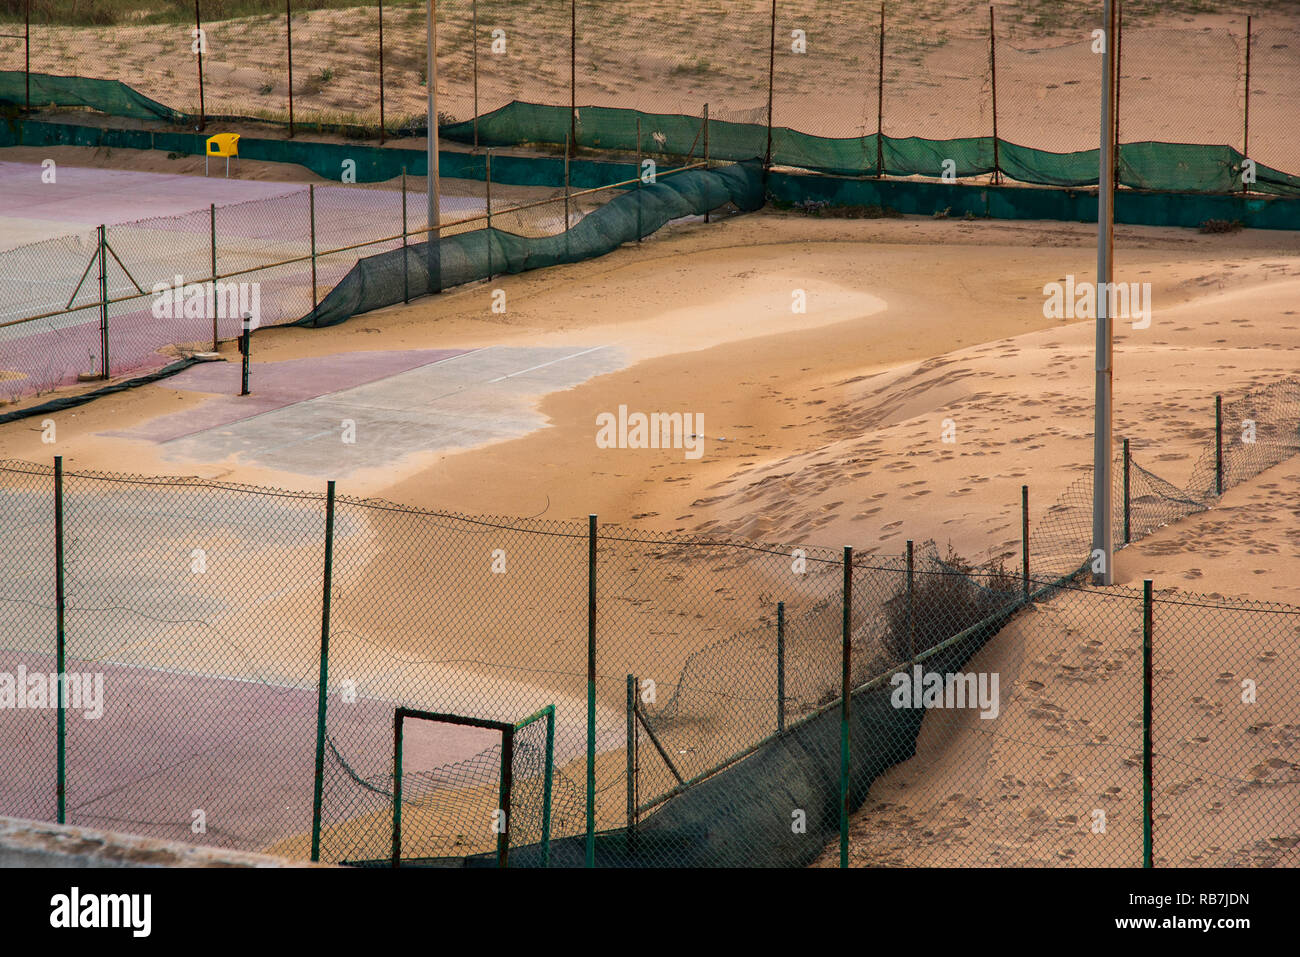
434,186
1102,481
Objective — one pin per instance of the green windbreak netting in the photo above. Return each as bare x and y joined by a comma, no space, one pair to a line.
1175,167
415,270
106,96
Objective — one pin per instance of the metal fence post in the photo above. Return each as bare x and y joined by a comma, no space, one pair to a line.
507,785
474,67
311,212
60,784
1218,444
198,42
1147,820
706,148
103,302
638,174
546,787
321,690
566,195
1024,537
406,269
572,142
27,51
771,84
245,350
212,237
1245,132
993,80
288,40
397,786
487,179
780,667
846,668
591,692
630,747
382,129
911,597
880,101
1127,462
1119,59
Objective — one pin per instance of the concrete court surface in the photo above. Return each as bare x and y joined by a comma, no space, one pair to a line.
400,403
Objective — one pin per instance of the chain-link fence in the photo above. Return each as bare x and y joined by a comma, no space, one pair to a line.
1023,78
219,637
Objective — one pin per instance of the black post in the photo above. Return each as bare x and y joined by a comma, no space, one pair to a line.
60,784
993,79
397,786
327,579
245,350
507,786
27,51
911,592
198,39
487,183
638,176
846,672
1218,444
573,78
1127,461
1147,822
212,236
288,39
771,83
1119,44
1245,132
382,129
311,215
630,749
780,667
880,101
591,692
103,302
406,269
1024,537
474,55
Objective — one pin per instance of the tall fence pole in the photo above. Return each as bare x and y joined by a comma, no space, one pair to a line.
245,351
406,268
288,40
311,214
397,787
880,100
771,85
319,790
572,143
487,179
198,42
1119,49
630,748
1147,821
846,669
507,787
103,302
1024,538
706,148
432,168
1218,444
1245,131
212,246
567,144
591,692
27,51
549,771
1127,463
638,177
993,81
61,781
780,667
1103,519
382,129
911,593
474,55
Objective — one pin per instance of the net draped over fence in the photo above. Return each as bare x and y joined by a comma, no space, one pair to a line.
716,705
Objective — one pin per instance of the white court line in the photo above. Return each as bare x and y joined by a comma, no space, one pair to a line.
545,364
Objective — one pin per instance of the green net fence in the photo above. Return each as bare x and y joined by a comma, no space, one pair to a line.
805,83
995,718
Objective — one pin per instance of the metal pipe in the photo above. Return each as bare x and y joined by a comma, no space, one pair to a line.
1024,537
780,667
288,39
212,236
1147,756
771,85
591,692
846,697
198,40
880,101
993,79
61,781
382,129
1102,490
431,150
322,686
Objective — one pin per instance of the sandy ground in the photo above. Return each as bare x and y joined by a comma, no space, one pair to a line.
824,427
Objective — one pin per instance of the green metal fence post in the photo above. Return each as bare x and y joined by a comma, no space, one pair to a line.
846,667
993,82
311,204
591,691
397,786
911,594
27,52
1024,538
631,732
406,269
1218,444
507,784
546,787
198,42
61,783
487,181
638,175
1127,462
1147,822
1245,132
382,130
780,667
327,580
771,84
880,101
288,45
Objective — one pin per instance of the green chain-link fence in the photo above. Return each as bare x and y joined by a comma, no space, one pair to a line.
709,729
